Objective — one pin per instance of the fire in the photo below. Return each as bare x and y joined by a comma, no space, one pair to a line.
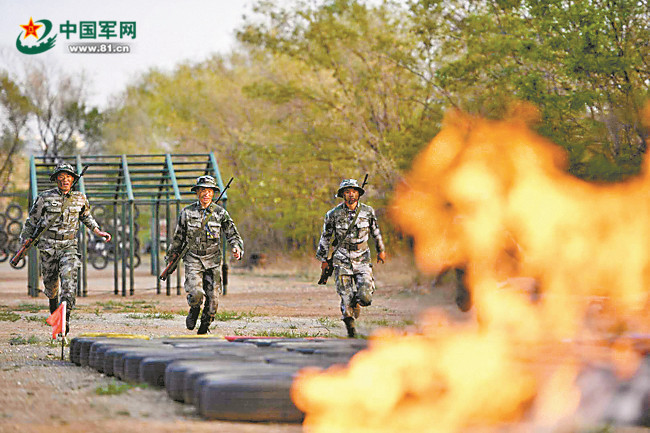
494,198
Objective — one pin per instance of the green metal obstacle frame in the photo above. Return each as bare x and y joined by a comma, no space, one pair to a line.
119,186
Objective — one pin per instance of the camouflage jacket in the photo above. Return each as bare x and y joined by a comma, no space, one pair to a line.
354,251
63,232
206,247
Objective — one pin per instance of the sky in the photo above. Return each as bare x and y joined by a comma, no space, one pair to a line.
168,33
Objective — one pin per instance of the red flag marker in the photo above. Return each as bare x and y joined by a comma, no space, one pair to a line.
57,320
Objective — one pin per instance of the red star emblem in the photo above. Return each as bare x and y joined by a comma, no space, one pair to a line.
30,29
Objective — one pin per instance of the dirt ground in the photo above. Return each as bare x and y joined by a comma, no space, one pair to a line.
43,393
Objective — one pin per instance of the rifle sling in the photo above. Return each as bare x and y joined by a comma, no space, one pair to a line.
195,233
338,242
64,205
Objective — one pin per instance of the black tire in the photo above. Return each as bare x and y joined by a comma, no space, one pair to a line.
75,348
4,239
14,212
4,255
266,398
84,351
178,371
3,220
136,260
99,212
98,261
14,228
152,369
98,351
194,379
13,245
126,361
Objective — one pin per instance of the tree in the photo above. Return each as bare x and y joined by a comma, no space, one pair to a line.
357,77
583,63
64,124
16,108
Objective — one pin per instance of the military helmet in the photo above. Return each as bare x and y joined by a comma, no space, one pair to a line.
63,167
206,182
349,183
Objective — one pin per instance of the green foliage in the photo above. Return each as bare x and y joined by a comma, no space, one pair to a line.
327,322
9,316
117,388
127,307
320,91
38,319
15,109
392,324
223,316
20,340
284,334
31,308
158,315
580,63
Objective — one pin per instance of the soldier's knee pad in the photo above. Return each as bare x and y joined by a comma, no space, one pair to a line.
364,299
194,299
69,300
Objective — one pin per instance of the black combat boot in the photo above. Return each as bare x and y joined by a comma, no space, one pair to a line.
349,325
356,309
463,295
204,327
67,321
192,317
54,304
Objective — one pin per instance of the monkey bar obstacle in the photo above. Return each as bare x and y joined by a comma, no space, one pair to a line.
117,187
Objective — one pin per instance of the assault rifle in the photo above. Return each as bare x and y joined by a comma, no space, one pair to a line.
175,258
327,272
30,242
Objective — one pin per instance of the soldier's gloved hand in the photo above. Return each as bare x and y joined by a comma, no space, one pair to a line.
237,253
381,257
107,236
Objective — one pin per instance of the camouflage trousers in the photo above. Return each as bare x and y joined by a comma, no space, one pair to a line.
203,283
355,288
63,264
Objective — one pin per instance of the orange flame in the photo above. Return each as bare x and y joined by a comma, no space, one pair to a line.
493,197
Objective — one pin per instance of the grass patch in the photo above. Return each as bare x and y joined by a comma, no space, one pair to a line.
18,340
224,316
164,316
38,319
392,324
32,308
115,388
125,307
327,322
284,334
9,316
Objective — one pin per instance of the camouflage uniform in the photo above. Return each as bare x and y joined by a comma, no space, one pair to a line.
203,259
352,262
58,245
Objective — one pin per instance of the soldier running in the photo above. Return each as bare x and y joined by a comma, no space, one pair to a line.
352,263
58,244
204,221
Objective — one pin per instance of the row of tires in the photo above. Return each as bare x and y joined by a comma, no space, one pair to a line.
101,254
11,225
246,379
13,213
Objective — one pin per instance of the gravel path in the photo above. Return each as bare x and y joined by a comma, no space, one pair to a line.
42,393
